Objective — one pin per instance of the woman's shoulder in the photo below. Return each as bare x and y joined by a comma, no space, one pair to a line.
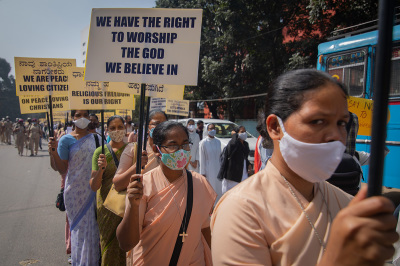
201,184
130,148
251,189
67,139
150,176
199,179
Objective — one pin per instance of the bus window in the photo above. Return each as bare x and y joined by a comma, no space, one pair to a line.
395,78
349,68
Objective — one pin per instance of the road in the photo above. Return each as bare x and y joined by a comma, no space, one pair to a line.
32,228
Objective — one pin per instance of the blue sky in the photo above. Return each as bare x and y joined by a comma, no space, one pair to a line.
49,28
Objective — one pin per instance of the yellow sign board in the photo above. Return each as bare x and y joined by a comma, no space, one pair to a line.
123,113
94,95
40,104
363,109
42,76
107,115
60,117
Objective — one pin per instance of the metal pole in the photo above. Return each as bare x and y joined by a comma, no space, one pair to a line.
140,133
51,131
381,95
102,131
147,122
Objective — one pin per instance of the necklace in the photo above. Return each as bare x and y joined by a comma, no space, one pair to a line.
184,234
323,245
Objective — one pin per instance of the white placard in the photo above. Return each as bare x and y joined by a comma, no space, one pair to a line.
175,107
144,45
158,103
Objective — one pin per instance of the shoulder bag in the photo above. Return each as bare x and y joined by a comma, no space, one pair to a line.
115,201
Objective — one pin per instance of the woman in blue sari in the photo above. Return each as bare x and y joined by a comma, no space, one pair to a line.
73,155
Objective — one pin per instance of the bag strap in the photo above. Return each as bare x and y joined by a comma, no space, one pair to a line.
96,138
189,205
113,154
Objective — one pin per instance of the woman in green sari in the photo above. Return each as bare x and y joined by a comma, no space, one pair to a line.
103,170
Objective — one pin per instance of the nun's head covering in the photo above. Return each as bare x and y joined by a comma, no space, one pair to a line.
205,130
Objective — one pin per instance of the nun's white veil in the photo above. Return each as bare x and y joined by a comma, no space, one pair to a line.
205,130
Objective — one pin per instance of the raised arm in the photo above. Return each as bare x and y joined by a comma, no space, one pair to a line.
128,233
127,167
59,164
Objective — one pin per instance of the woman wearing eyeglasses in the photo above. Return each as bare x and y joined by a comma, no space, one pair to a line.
168,211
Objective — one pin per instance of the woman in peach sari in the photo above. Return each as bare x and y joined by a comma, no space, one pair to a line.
168,211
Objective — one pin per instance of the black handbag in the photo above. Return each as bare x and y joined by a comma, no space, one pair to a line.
60,201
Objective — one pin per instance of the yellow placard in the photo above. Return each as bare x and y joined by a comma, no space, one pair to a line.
174,92
363,109
40,104
42,76
107,115
174,107
95,95
123,113
60,116
152,90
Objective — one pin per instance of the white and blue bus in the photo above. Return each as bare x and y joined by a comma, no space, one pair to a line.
352,59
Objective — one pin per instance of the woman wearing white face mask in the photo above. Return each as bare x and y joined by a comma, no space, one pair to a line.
73,155
194,151
287,214
104,167
209,152
235,166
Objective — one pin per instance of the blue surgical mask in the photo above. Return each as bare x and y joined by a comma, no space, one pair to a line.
212,132
151,132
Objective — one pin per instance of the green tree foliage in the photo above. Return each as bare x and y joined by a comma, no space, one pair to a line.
9,103
246,44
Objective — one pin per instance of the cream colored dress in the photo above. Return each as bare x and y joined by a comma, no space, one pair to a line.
259,222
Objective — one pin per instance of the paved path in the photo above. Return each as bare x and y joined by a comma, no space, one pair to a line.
32,228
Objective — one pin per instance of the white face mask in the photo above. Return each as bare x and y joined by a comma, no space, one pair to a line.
314,162
82,123
191,128
242,136
212,133
117,135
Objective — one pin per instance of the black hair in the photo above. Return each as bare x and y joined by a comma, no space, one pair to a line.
161,130
200,122
237,128
286,95
157,111
190,120
115,117
93,114
74,111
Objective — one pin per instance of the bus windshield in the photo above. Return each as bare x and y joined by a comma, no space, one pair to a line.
349,68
